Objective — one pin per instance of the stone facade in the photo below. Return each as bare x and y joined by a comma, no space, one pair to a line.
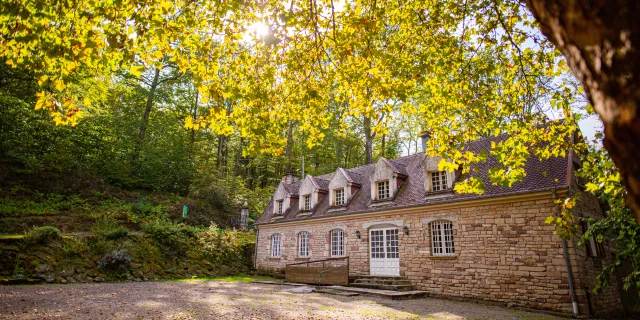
504,251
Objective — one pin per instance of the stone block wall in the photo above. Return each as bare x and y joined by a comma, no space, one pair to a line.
586,268
504,252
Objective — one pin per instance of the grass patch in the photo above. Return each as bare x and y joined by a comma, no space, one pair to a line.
11,236
238,278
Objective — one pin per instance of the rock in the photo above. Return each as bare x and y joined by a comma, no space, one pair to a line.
42,255
511,304
135,265
50,280
71,279
92,273
63,281
139,273
98,279
79,270
67,272
33,280
43,268
145,279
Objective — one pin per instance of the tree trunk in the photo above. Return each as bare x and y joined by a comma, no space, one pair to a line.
598,38
384,138
147,110
194,116
368,141
288,152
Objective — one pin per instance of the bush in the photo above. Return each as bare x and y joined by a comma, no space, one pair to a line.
109,230
42,235
174,239
117,260
226,247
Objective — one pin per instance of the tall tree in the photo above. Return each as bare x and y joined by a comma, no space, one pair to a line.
599,40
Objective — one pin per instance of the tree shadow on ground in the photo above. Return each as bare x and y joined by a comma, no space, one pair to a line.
210,299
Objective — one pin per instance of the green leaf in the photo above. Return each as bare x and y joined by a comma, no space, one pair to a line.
137,70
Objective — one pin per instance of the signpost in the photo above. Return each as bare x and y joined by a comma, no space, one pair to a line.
185,210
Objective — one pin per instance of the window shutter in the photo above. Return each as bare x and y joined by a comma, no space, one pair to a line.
583,224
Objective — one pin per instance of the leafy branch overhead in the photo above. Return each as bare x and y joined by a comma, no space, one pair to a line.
467,69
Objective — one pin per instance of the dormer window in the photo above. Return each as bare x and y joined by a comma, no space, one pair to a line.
439,181
279,204
383,190
307,202
339,196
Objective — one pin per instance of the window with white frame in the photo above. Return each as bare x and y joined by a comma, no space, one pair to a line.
275,245
438,181
383,190
442,238
279,205
339,196
337,243
307,202
303,244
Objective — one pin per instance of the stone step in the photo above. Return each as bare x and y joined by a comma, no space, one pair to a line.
381,281
394,287
390,294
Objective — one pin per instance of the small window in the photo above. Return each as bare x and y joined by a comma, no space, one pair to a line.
383,189
279,204
594,248
337,243
303,244
275,245
339,194
307,202
442,238
438,181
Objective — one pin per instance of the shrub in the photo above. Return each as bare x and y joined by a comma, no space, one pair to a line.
117,260
42,235
174,239
109,230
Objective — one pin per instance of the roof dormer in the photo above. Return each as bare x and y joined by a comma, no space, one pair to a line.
342,187
283,198
435,180
311,192
386,179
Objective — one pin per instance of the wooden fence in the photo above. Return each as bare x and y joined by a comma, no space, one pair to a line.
319,272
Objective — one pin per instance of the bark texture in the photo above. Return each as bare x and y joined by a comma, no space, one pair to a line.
598,38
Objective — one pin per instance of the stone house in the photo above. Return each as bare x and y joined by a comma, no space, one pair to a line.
401,218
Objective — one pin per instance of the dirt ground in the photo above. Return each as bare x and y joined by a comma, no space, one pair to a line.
206,299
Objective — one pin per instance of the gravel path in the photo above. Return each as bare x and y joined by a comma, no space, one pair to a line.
200,299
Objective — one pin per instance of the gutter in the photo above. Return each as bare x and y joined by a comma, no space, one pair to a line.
565,253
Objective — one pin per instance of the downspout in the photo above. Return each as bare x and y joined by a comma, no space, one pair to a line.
565,252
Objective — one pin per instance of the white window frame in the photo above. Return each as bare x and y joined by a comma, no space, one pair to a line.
442,241
337,243
439,181
306,202
341,198
279,206
383,190
276,242
304,238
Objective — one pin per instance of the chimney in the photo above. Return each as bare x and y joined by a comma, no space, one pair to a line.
424,137
244,215
289,178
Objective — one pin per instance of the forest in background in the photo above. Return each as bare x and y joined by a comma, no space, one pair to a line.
136,140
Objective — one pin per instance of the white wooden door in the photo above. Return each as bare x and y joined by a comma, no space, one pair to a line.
384,255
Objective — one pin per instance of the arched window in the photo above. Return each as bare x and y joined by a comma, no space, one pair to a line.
303,244
337,243
442,238
275,245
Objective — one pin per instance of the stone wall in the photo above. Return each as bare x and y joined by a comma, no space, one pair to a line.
586,268
504,252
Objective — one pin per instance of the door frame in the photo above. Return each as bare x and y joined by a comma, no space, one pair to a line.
384,236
